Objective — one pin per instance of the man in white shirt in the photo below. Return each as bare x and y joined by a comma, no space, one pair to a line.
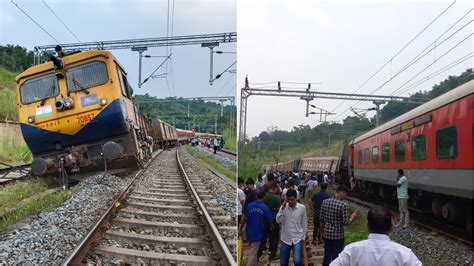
291,185
294,226
378,249
240,199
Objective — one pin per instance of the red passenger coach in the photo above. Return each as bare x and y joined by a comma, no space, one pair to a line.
433,143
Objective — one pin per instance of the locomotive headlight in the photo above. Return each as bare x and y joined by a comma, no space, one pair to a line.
31,119
68,103
103,101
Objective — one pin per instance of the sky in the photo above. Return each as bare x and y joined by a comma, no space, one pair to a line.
96,20
341,44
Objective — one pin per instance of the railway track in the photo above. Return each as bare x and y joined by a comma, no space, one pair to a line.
228,154
423,221
9,173
160,218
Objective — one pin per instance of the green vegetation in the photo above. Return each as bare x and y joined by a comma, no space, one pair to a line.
8,108
357,230
12,152
202,116
204,159
230,138
25,198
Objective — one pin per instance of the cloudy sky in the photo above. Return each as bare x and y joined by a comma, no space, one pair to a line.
341,44
95,20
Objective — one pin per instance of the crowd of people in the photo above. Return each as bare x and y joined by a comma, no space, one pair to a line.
216,144
271,213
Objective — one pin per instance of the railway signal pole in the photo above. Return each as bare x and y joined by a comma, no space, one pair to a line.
305,94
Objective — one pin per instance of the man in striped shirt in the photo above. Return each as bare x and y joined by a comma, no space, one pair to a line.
334,216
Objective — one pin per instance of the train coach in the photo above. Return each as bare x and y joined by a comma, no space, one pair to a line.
76,111
185,136
434,144
322,164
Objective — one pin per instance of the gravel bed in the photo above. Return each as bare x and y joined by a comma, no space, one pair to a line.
430,249
51,236
227,162
223,194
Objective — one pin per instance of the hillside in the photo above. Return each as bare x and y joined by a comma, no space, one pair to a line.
8,108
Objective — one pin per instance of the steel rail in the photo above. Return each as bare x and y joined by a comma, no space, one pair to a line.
81,250
229,152
215,233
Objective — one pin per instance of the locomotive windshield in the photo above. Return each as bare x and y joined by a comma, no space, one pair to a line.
38,89
86,76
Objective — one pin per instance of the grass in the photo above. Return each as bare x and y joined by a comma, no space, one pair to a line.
18,191
204,159
230,142
22,199
8,108
357,230
13,152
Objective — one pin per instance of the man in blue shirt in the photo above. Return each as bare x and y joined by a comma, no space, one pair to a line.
315,203
257,216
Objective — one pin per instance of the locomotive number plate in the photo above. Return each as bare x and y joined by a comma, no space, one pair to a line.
84,119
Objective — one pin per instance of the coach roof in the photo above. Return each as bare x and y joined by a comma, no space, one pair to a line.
450,96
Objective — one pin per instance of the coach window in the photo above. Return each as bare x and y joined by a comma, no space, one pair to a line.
386,153
446,143
375,154
400,151
418,148
366,156
359,157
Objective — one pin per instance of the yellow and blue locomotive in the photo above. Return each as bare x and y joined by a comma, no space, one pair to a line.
76,111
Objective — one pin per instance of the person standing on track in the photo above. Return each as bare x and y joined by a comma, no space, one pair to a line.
334,216
402,195
250,193
216,145
315,203
294,227
257,217
378,249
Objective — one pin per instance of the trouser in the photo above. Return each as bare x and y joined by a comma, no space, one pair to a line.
315,227
273,236
297,253
404,215
239,218
215,149
252,256
302,191
332,248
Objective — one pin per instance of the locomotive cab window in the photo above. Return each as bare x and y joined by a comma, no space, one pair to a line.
38,89
366,156
359,157
86,76
375,154
400,151
418,148
386,153
446,143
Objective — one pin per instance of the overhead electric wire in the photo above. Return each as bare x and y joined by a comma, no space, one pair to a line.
166,59
396,54
50,9
229,90
418,57
223,86
437,72
26,14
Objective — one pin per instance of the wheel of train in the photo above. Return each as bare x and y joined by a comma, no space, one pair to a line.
449,212
437,208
